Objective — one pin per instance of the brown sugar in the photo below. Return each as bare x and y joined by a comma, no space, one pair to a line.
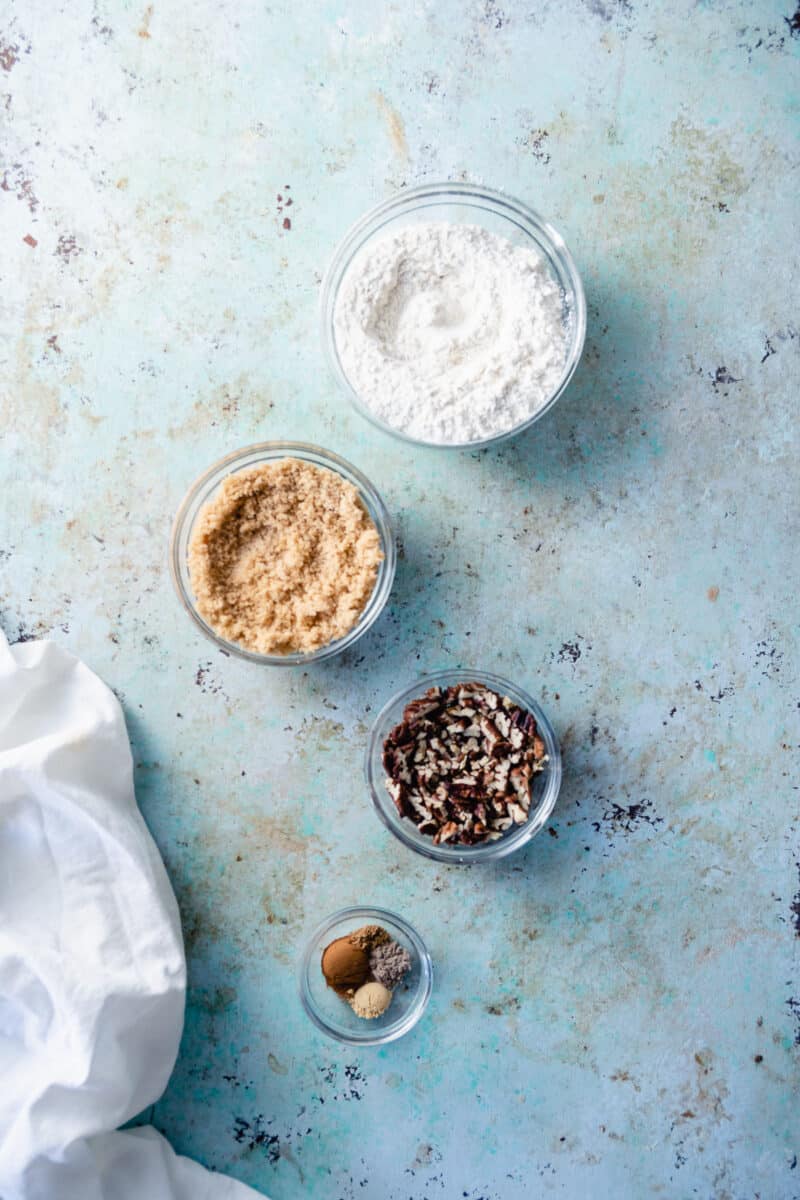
284,558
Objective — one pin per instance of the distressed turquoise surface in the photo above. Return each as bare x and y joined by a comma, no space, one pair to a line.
617,1009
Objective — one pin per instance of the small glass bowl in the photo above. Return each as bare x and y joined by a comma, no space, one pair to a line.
546,783
202,490
460,204
333,1015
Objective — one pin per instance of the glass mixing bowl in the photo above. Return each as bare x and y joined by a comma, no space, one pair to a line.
546,783
466,204
333,1015
203,489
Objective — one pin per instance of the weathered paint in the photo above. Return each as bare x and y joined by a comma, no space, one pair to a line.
617,1009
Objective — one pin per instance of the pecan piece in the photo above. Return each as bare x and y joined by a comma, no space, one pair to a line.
446,832
460,762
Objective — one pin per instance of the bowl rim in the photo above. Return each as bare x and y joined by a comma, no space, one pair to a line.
319,456
389,1033
518,836
372,221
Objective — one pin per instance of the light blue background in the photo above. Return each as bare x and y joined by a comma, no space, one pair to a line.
617,1009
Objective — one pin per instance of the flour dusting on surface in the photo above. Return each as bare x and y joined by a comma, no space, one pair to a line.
449,333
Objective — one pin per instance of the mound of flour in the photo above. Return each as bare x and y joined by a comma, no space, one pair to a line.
449,333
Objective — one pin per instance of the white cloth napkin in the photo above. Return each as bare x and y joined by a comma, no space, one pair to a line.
92,972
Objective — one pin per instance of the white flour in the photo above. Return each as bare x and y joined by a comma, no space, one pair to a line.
449,333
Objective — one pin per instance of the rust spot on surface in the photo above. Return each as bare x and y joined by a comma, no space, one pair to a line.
52,342
283,203
794,909
625,1077
17,181
255,1136
67,247
536,142
623,819
144,28
395,126
9,55
504,1007
30,240
712,593
722,377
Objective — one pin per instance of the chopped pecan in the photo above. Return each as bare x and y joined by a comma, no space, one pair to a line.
447,831
460,763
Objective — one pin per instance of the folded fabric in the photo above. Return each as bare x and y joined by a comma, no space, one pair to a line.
92,970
